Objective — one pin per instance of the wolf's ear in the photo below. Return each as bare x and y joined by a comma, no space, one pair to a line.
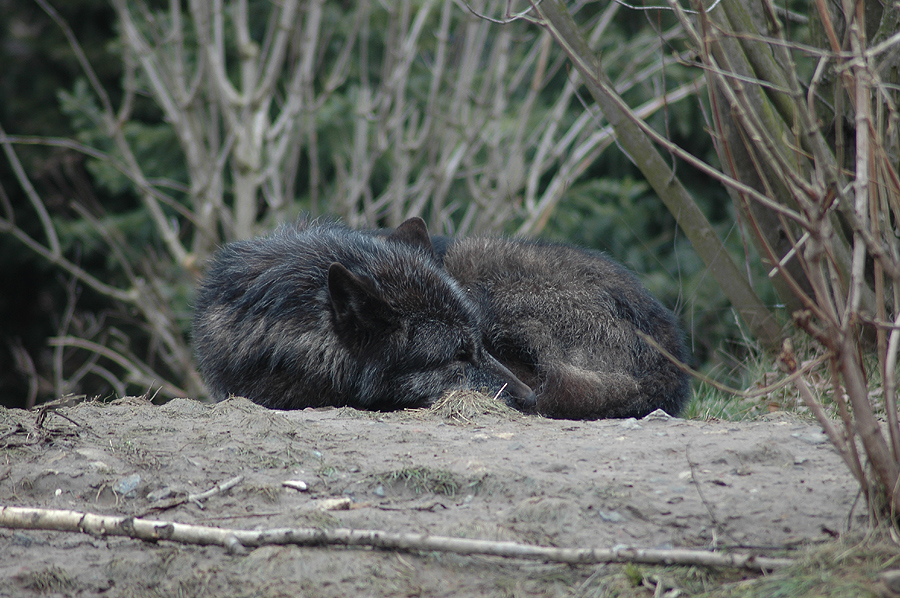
413,232
359,309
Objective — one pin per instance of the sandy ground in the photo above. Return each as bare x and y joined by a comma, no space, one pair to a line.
653,483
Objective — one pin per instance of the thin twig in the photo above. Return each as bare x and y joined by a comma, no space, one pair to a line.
53,406
709,509
665,8
509,18
196,498
218,488
759,392
137,371
13,431
25,365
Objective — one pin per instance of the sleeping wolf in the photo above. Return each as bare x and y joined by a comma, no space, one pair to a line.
321,315
565,321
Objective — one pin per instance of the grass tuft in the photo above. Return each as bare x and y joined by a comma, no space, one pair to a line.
423,479
463,406
52,580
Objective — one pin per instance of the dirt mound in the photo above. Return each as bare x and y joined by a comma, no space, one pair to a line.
654,483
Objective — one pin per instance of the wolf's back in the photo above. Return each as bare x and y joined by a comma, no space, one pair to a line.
568,323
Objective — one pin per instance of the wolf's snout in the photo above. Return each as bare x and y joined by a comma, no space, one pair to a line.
516,393
527,401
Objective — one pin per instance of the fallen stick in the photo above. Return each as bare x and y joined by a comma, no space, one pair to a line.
220,487
236,539
171,503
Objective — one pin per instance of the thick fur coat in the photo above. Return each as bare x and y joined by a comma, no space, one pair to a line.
322,315
570,323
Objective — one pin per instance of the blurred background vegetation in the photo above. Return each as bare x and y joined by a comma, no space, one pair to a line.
475,125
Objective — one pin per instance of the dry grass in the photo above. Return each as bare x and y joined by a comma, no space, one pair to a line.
464,406
424,479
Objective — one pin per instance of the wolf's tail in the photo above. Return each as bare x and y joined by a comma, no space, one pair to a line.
570,392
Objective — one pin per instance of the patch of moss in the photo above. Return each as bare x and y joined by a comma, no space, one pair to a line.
424,479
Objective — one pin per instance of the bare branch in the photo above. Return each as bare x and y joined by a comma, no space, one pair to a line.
61,261
32,195
137,372
710,8
155,530
509,18
275,60
25,365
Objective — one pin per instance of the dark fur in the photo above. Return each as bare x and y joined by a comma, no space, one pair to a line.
322,315
564,321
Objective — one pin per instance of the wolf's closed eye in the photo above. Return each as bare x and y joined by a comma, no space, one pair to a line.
465,354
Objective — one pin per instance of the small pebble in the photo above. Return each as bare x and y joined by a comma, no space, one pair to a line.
659,414
234,546
335,504
161,494
127,485
611,516
298,485
812,437
630,424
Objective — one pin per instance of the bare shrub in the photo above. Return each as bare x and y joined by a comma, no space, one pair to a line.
823,213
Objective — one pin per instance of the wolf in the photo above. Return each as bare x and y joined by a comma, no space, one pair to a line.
571,324
317,315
